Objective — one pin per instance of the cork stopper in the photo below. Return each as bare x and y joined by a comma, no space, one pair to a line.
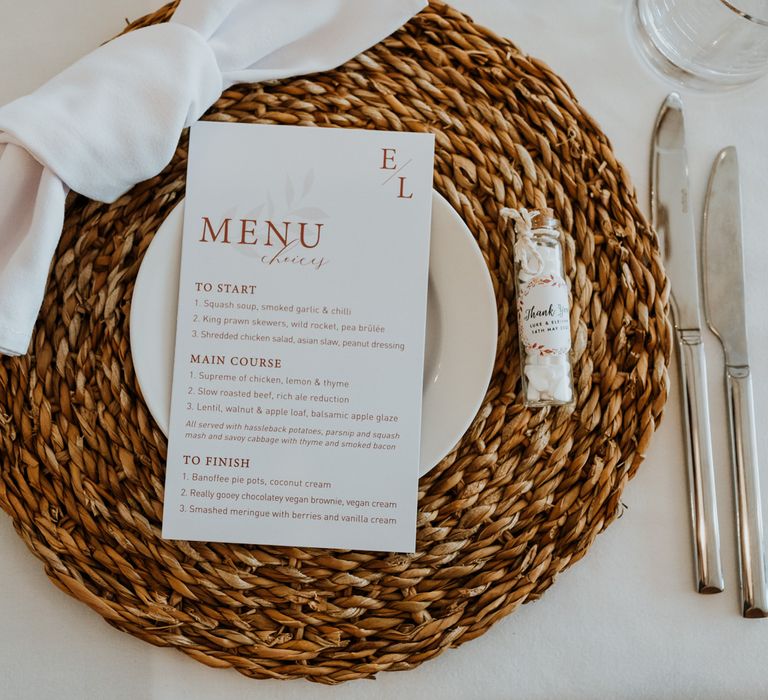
546,219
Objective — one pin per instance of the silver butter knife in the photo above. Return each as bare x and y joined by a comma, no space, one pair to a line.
723,267
672,218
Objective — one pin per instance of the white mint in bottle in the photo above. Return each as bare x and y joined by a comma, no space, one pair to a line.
543,308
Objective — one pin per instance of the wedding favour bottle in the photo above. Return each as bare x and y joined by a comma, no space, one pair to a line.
543,308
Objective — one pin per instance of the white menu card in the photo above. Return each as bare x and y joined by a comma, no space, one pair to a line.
297,382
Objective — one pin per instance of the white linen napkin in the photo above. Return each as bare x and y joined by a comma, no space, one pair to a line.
114,118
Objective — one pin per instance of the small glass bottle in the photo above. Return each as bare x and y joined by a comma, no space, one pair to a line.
543,309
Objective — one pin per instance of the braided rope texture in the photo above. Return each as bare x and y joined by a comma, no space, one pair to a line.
520,499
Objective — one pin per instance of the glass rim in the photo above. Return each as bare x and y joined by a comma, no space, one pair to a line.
763,21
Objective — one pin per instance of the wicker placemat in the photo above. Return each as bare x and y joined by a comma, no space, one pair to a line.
520,500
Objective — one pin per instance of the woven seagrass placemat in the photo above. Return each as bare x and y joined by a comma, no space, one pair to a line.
519,500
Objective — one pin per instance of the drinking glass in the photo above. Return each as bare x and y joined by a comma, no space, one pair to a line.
705,43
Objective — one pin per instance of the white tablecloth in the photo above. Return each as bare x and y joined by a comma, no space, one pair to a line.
624,622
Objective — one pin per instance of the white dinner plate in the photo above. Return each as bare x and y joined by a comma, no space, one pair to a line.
461,328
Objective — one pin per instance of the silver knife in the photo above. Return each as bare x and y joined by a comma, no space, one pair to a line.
723,266
672,218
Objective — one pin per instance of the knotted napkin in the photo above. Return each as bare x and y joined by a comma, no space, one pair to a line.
114,118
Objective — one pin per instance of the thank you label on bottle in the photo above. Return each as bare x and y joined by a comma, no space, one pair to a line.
543,315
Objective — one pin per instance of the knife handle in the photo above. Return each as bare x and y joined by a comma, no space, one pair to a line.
701,471
749,516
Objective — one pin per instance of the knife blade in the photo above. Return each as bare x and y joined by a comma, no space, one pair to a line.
725,311
672,218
